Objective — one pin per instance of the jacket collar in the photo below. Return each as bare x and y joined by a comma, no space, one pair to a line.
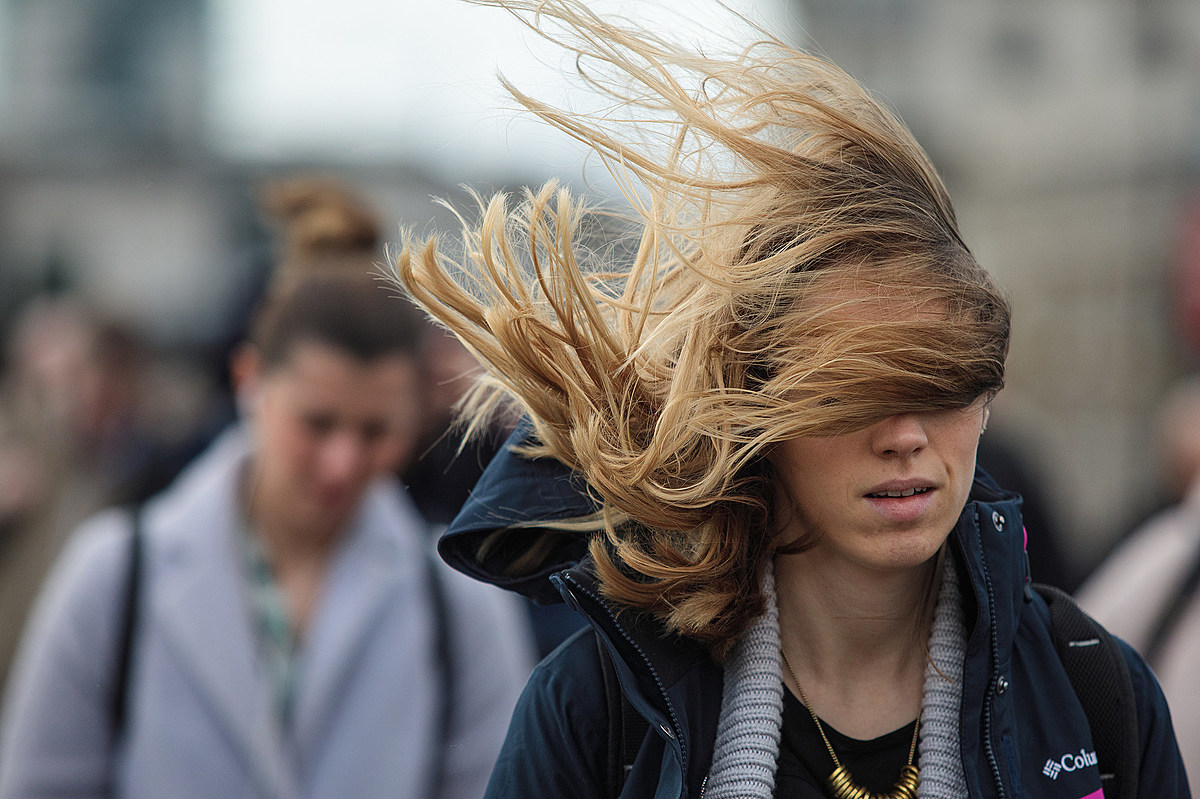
989,545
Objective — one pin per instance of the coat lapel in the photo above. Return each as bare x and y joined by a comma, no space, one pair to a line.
201,609
380,556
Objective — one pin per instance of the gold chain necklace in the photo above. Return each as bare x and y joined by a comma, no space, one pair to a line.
840,781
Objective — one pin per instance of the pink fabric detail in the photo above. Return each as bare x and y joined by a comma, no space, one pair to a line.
1096,794
1025,532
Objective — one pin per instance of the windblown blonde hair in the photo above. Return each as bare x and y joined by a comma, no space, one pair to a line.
798,271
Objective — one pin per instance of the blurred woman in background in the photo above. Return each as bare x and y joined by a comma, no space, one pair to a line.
288,634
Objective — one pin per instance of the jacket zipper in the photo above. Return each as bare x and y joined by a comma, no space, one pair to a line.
676,727
987,708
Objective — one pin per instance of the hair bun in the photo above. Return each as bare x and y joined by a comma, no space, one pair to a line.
320,217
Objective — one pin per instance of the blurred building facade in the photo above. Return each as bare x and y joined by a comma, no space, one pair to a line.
1068,130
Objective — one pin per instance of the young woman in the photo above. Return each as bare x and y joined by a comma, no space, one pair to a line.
292,635
750,453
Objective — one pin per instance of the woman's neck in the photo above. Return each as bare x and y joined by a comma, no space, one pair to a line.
856,639
284,537
298,555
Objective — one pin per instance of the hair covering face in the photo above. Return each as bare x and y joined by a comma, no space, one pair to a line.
792,266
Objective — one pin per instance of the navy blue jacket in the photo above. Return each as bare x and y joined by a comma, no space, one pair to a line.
1024,732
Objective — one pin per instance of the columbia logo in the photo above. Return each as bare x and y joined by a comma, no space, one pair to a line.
1069,763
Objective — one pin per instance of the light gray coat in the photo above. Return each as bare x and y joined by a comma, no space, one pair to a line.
201,722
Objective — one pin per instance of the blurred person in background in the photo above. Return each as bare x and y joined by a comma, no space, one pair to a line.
73,432
273,624
448,464
1148,589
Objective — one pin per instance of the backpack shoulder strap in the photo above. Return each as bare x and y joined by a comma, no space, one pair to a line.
1100,677
127,624
627,728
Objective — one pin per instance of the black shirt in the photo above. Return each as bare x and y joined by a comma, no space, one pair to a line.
804,763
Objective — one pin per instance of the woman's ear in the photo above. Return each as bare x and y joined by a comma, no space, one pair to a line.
245,375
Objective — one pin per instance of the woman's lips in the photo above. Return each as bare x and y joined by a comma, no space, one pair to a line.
898,493
901,504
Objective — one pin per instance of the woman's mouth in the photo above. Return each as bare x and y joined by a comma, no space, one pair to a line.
902,504
907,492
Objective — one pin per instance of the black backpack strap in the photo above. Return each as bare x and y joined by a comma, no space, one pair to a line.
446,668
1100,677
627,728
118,710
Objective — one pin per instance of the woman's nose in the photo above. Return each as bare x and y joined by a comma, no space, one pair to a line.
899,436
343,456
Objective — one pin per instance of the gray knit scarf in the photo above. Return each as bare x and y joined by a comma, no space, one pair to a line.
748,732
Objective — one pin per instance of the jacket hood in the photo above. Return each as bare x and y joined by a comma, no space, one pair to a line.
513,531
